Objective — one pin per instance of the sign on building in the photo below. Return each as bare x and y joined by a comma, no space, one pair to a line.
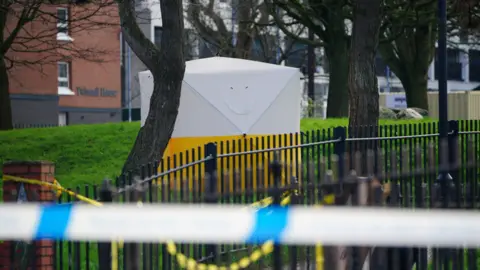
396,101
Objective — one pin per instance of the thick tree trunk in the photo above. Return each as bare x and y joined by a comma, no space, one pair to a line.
363,86
362,82
5,103
409,57
410,54
337,101
416,91
153,137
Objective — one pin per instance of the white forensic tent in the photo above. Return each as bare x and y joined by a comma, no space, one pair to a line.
227,98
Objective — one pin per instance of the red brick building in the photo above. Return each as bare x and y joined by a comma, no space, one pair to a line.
75,78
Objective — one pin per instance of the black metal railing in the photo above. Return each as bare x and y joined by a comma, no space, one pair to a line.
400,164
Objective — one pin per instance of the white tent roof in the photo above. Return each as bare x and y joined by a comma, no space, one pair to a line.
226,96
231,65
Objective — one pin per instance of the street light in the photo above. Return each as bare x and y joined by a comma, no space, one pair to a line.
442,86
444,178
311,67
442,72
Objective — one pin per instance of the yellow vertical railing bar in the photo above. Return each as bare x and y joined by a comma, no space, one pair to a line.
114,256
319,258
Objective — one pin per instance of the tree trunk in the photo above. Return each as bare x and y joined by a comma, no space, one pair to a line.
5,103
337,101
153,137
362,81
410,54
416,90
409,57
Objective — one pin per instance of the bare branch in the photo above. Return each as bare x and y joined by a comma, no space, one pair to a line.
31,33
210,26
299,14
253,23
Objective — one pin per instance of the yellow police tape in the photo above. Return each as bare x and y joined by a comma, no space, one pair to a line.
182,260
55,185
265,249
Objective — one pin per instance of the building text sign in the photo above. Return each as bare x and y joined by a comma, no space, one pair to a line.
396,101
97,92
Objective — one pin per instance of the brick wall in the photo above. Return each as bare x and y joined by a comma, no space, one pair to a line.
43,253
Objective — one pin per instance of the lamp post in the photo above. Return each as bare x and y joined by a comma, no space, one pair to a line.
442,93
311,67
444,178
442,72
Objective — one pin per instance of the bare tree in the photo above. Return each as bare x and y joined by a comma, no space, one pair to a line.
167,66
328,21
407,39
467,13
208,21
413,34
464,21
254,36
412,29
362,81
37,46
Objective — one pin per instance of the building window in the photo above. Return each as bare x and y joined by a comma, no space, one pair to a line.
63,76
62,24
158,35
454,69
474,65
64,79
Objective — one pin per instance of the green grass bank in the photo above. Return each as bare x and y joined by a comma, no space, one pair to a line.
85,154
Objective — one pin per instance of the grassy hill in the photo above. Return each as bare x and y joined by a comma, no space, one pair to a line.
86,154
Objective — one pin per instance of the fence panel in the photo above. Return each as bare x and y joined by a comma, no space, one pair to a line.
399,169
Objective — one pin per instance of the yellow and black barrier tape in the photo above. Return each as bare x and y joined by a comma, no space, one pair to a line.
263,250
55,186
182,259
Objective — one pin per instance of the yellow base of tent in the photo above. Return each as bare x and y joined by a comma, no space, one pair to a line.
233,171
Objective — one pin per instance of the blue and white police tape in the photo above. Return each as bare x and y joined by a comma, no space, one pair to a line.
226,224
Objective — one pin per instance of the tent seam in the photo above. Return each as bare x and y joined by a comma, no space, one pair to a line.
215,107
273,102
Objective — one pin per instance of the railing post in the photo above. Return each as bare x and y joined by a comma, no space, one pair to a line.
105,248
339,150
136,194
453,157
294,200
275,171
211,184
211,167
447,150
